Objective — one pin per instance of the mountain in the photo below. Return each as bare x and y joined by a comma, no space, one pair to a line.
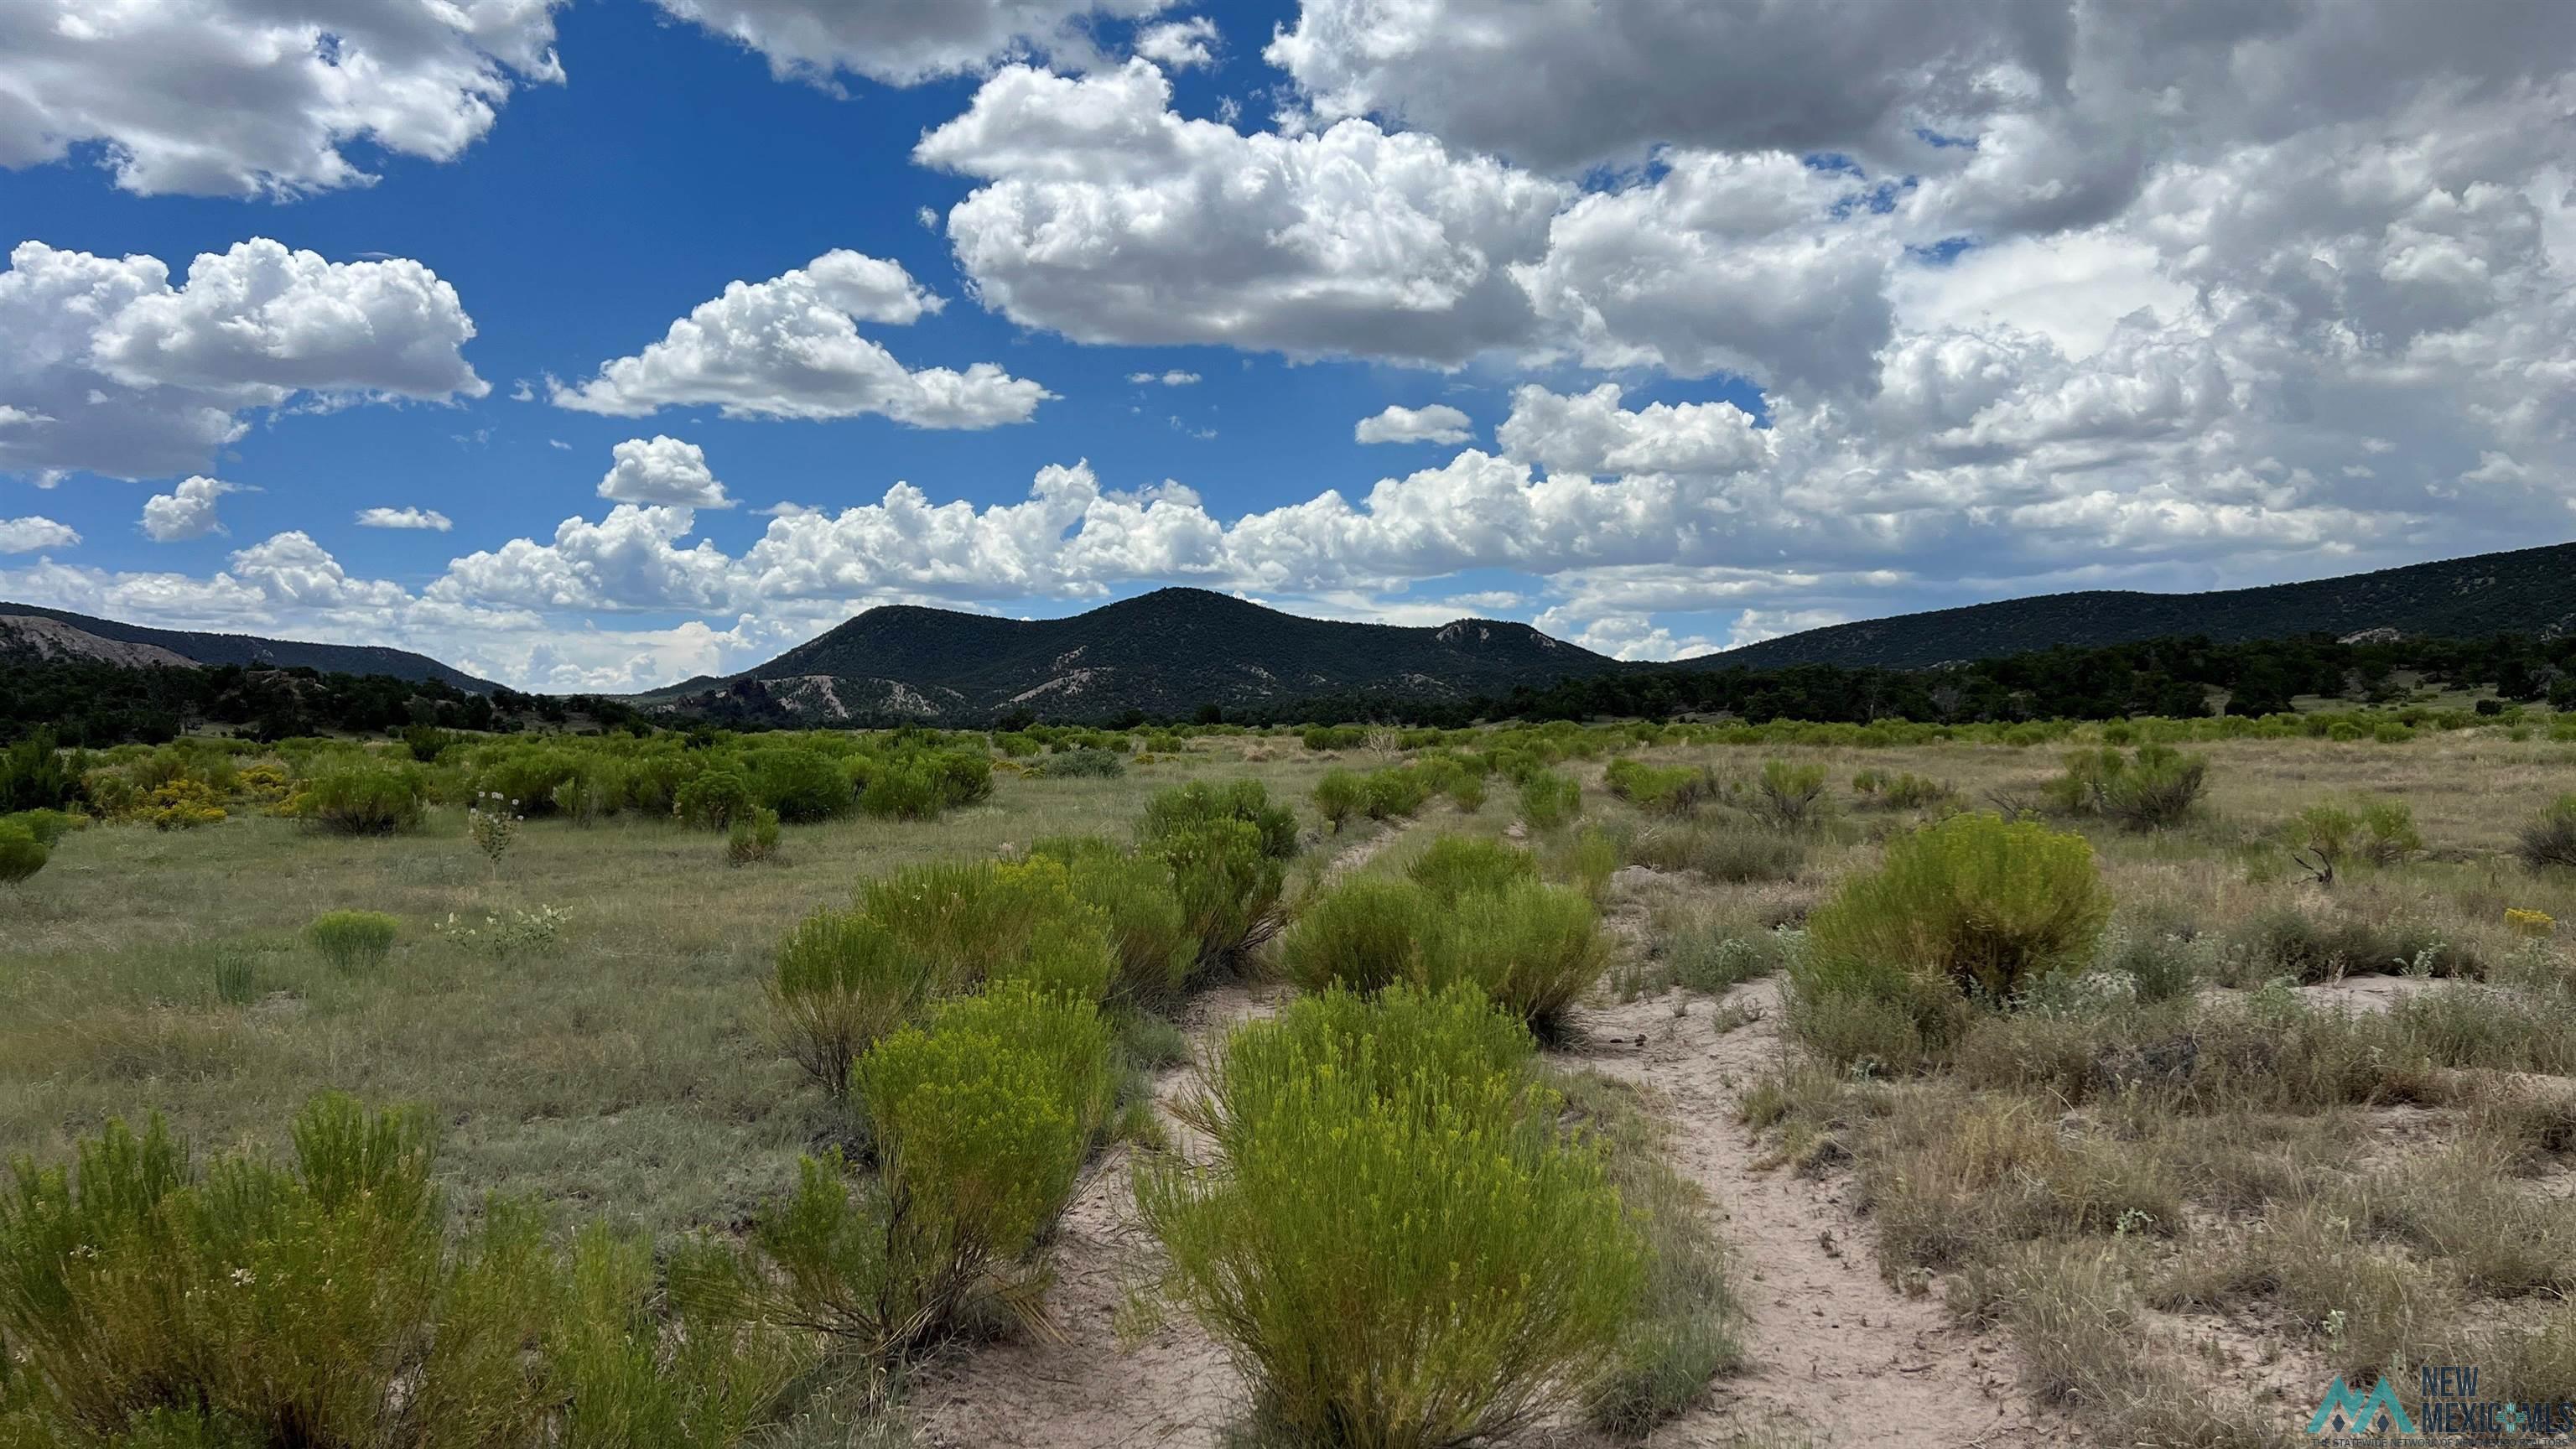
28,631
1165,653
2527,591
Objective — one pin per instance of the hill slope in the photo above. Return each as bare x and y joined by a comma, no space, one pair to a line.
1165,653
32,631
2530,591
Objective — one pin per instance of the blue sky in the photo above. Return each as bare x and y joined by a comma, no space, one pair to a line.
1753,325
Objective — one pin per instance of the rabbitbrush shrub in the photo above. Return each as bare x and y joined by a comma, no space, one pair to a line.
1549,799
245,1306
1456,865
1532,948
364,799
753,838
982,1118
1340,795
1392,1234
843,981
2550,839
1149,934
1973,907
971,920
351,939
21,853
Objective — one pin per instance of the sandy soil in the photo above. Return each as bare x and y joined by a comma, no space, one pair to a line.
1838,1353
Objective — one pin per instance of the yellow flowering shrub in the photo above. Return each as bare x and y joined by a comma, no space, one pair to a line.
182,804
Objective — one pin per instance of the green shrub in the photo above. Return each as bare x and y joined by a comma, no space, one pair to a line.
969,921
1786,796
801,786
21,853
351,939
2550,839
753,838
1084,765
1392,1237
242,1305
901,790
2153,788
1667,789
713,800
1201,802
1340,795
364,799
1395,793
1149,933
843,981
1549,799
35,775
1456,865
982,1120
1592,858
48,826
1227,882
1533,948
1989,904
1365,933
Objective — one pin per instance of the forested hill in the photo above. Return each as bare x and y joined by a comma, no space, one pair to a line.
2528,591
31,632
1163,654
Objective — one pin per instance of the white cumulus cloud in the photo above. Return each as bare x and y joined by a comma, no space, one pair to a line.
790,347
900,44
27,535
417,519
260,98
185,512
664,471
1438,423
105,366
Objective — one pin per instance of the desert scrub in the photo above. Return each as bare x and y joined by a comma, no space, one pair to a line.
2549,840
245,1304
2153,788
367,799
1661,789
1339,797
21,853
753,838
1458,865
1201,802
1533,949
713,800
982,1118
1391,1235
842,982
351,939
535,931
1549,799
969,921
1974,909
1084,765
1149,933
1990,904
1722,850
1787,796
1228,885
183,804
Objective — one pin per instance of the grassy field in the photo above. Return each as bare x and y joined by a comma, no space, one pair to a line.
2175,1187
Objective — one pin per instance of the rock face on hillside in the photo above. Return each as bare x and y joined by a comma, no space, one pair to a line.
27,636
1164,653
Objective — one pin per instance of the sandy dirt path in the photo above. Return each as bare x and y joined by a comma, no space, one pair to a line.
1839,1357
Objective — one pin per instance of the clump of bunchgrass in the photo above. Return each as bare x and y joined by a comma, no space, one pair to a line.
353,939
753,838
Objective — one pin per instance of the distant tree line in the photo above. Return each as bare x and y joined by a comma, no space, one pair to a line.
90,704
2179,678
83,703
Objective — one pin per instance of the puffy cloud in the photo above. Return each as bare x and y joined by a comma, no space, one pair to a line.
790,347
1179,44
27,535
105,366
1108,217
1174,378
186,512
629,560
1438,423
260,97
900,44
665,471
1590,433
429,519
